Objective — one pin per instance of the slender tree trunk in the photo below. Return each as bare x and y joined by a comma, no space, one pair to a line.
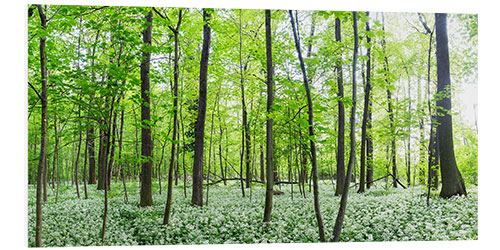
352,155
389,107
311,133
111,153
45,181
90,127
85,168
220,147
366,109
262,165
43,133
159,164
269,121
197,194
452,181
78,157
183,153
166,216
91,154
246,134
369,139
146,148
216,103
56,151
121,170
341,115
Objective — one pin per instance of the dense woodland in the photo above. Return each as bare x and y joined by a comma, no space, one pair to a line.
177,108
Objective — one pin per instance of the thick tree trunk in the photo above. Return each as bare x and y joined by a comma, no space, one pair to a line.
43,133
452,181
341,115
352,155
146,144
197,194
269,122
102,157
311,133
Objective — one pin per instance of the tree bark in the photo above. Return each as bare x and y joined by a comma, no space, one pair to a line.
311,133
366,109
166,216
352,155
341,115
146,144
43,133
197,194
389,107
269,122
452,182
244,117
78,156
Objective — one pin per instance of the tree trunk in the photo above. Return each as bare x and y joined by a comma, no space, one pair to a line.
78,156
389,107
146,144
269,121
91,146
452,181
369,139
85,168
341,125
311,133
262,165
366,109
244,118
43,133
56,151
220,147
352,155
166,216
216,103
197,194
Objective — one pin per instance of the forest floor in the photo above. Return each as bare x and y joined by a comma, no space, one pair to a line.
377,215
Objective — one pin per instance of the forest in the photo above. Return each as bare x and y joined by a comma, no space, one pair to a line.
161,126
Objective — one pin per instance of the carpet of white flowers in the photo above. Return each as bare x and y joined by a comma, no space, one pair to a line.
377,215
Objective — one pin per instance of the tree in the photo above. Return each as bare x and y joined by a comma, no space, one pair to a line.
197,195
146,148
453,184
269,121
341,116
366,109
175,30
310,113
392,128
352,155
43,131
